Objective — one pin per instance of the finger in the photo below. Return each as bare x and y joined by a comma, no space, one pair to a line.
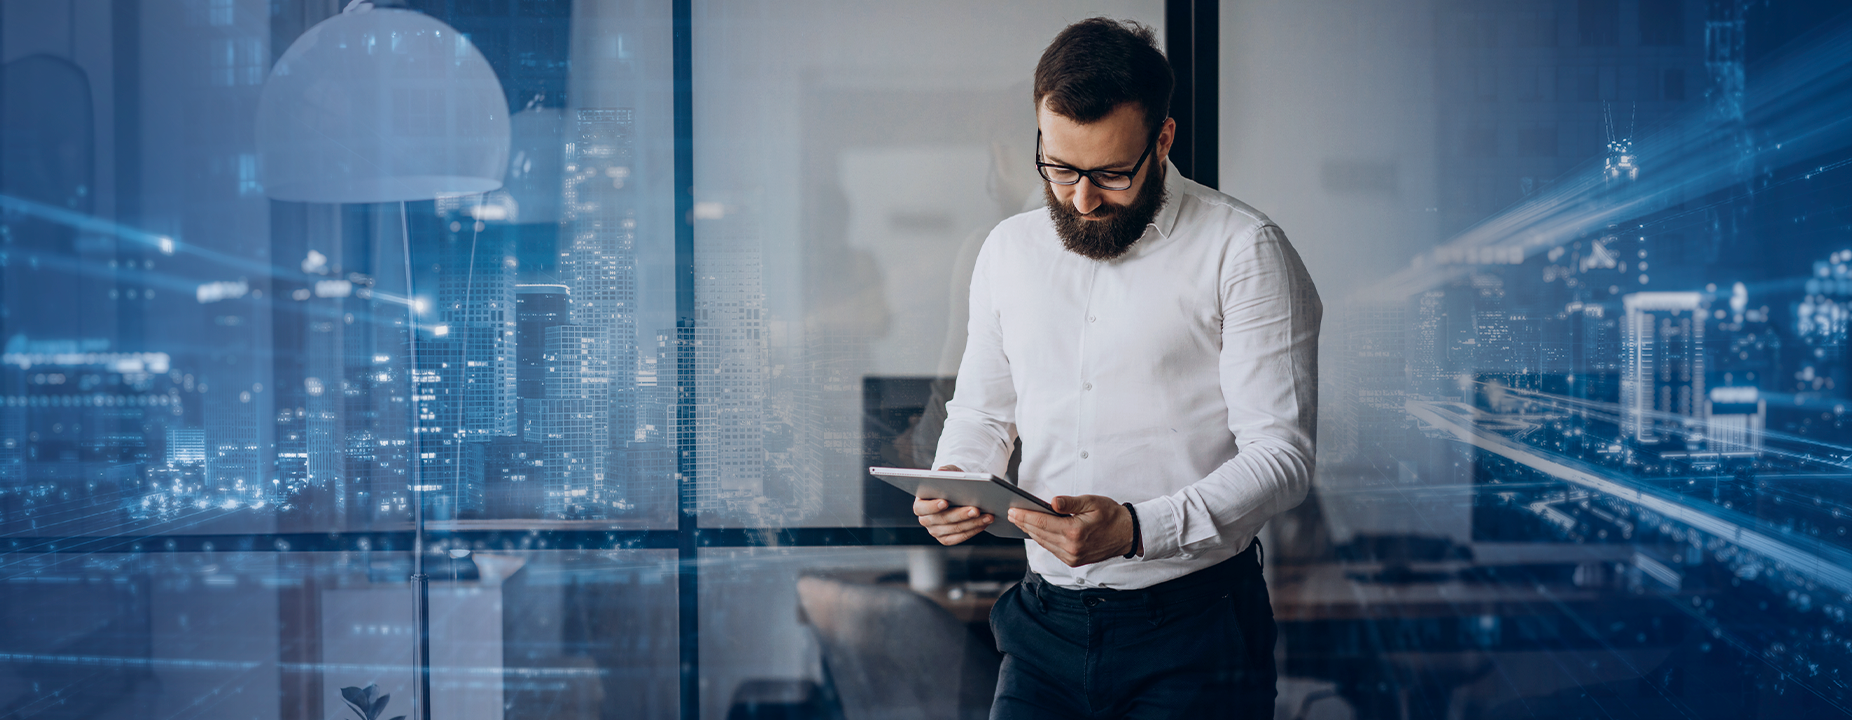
953,515
950,468
971,526
928,506
1048,540
1042,520
1078,504
1054,541
957,538
1051,542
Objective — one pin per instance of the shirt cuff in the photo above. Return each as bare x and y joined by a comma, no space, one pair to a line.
972,460
1158,522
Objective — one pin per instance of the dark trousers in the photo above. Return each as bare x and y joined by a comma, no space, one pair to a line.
1199,646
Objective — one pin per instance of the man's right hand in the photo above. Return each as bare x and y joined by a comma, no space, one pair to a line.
950,525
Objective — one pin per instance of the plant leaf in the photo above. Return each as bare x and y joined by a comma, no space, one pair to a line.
358,699
401,717
379,706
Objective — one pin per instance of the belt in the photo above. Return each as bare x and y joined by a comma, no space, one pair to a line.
1194,588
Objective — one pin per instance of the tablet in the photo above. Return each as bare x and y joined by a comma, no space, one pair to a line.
989,493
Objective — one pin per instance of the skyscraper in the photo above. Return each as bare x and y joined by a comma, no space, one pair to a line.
730,368
1662,376
537,308
594,358
476,295
576,421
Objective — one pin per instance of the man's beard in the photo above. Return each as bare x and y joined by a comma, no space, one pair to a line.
1117,226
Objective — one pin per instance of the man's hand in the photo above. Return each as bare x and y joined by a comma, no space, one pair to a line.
1097,529
950,525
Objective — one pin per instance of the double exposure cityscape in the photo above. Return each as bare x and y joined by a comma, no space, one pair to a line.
568,442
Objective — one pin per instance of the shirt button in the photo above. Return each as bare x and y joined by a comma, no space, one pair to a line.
1091,318
1083,454
1086,386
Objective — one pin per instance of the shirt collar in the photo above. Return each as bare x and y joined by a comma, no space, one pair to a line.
1173,196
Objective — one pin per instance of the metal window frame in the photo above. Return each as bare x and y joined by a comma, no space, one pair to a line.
1191,34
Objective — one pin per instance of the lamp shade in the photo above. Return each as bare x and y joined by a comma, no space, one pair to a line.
381,105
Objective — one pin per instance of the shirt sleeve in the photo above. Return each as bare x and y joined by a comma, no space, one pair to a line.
980,423
1269,379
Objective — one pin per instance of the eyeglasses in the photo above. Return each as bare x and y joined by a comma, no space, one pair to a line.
1102,179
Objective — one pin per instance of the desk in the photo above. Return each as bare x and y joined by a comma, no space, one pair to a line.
1351,591
1399,640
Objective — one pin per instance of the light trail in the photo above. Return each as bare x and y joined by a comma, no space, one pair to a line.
1797,107
1825,564
1838,457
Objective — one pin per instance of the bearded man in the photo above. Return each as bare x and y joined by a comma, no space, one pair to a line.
1153,343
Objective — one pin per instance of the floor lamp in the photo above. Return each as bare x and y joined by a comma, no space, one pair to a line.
386,105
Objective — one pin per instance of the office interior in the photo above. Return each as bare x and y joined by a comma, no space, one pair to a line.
572,417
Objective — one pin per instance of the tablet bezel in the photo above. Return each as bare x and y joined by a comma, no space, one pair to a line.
938,485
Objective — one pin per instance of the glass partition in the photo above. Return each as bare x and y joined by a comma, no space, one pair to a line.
528,355
843,189
1581,434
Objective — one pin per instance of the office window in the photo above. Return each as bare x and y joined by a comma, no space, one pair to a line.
1581,330
846,189
560,393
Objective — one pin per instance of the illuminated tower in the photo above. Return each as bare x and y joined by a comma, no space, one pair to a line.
1662,375
477,300
599,261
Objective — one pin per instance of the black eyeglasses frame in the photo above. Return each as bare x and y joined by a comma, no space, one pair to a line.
1041,168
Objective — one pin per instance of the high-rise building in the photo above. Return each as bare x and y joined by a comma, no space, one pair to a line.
537,308
1370,383
730,369
186,446
1738,415
1662,376
598,259
576,420
476,295
450,469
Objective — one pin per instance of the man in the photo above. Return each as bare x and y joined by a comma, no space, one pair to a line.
1154,343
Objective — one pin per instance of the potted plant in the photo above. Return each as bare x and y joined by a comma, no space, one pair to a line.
364,705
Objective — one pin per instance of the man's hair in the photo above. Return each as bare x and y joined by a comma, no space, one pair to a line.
1098,64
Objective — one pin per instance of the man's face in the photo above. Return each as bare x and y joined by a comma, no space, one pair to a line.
1103,224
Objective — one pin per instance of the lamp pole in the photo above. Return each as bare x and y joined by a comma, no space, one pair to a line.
421,582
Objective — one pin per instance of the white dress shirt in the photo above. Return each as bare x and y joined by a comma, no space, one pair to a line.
1180,377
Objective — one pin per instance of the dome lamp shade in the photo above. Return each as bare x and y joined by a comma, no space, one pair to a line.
381,105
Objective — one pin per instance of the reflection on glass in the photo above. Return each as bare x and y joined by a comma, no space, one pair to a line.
268,634
200,359
820,636
1584,440
844,190
1581,450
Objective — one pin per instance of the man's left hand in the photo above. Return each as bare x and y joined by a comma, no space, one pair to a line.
1096,529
